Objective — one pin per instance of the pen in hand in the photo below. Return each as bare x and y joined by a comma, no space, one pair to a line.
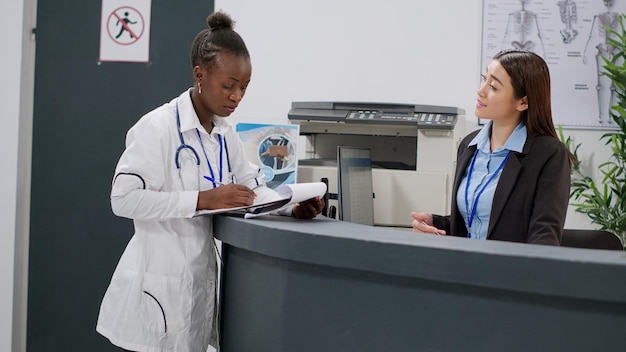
220,184
253,189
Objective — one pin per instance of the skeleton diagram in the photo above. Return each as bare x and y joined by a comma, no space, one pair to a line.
604,49
567,9
522,27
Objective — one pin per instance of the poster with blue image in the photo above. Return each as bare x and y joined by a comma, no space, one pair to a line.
272,148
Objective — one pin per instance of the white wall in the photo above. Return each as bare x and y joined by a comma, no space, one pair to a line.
372,51
16,70
9,90
341,50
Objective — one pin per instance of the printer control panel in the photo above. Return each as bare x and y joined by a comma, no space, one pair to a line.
423,120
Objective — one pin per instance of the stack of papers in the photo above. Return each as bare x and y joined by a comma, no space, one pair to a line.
274,200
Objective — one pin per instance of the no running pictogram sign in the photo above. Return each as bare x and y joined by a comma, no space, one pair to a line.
125,31
125,25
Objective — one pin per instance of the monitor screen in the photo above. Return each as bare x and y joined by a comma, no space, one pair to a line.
355,189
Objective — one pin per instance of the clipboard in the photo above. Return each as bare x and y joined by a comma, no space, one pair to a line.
282,197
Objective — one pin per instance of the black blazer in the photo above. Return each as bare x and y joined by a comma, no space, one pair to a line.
531,198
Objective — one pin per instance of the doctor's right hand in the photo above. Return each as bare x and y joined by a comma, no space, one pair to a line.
227,196
423,222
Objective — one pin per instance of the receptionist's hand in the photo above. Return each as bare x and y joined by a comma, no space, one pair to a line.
308,209
423,222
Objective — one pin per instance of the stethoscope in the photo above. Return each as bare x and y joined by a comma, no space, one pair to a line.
186,147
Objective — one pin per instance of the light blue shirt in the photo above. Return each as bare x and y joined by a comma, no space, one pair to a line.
485,165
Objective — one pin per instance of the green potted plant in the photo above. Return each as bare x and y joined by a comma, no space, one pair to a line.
605,202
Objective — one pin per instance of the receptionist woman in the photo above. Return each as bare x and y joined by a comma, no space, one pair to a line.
181,157
512,179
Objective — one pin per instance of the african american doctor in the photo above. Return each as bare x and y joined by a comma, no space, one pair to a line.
180,158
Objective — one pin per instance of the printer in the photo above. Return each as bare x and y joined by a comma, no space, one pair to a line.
413,150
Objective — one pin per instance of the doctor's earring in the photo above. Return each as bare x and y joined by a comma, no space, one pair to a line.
199,88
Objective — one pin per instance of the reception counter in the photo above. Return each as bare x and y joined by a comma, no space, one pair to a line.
327,285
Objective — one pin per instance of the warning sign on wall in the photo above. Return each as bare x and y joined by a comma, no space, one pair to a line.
125,30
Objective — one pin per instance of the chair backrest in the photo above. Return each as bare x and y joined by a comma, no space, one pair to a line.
594,239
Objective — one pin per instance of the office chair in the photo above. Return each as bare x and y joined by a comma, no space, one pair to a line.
593,239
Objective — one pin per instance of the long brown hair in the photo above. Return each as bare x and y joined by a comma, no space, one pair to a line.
530,78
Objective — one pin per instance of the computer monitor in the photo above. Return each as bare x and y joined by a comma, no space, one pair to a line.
354,185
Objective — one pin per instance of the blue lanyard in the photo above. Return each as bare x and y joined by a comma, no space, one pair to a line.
223,145
472,214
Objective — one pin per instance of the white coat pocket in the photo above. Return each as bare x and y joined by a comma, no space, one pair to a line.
165,304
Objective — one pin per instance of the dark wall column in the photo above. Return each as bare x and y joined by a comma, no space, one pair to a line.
82,110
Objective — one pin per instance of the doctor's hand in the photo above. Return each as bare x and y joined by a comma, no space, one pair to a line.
227,196
423,222
308,209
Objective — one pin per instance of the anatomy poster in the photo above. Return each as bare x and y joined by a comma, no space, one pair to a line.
571,37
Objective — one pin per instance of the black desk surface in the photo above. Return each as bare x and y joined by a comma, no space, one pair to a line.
581,273
327,285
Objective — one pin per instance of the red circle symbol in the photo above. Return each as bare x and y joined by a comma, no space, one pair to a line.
125,25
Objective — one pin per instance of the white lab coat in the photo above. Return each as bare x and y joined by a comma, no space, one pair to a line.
162,293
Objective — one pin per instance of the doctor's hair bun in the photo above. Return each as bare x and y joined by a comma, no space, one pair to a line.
218,38
219,20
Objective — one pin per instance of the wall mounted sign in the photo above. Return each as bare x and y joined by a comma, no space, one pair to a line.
125,31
